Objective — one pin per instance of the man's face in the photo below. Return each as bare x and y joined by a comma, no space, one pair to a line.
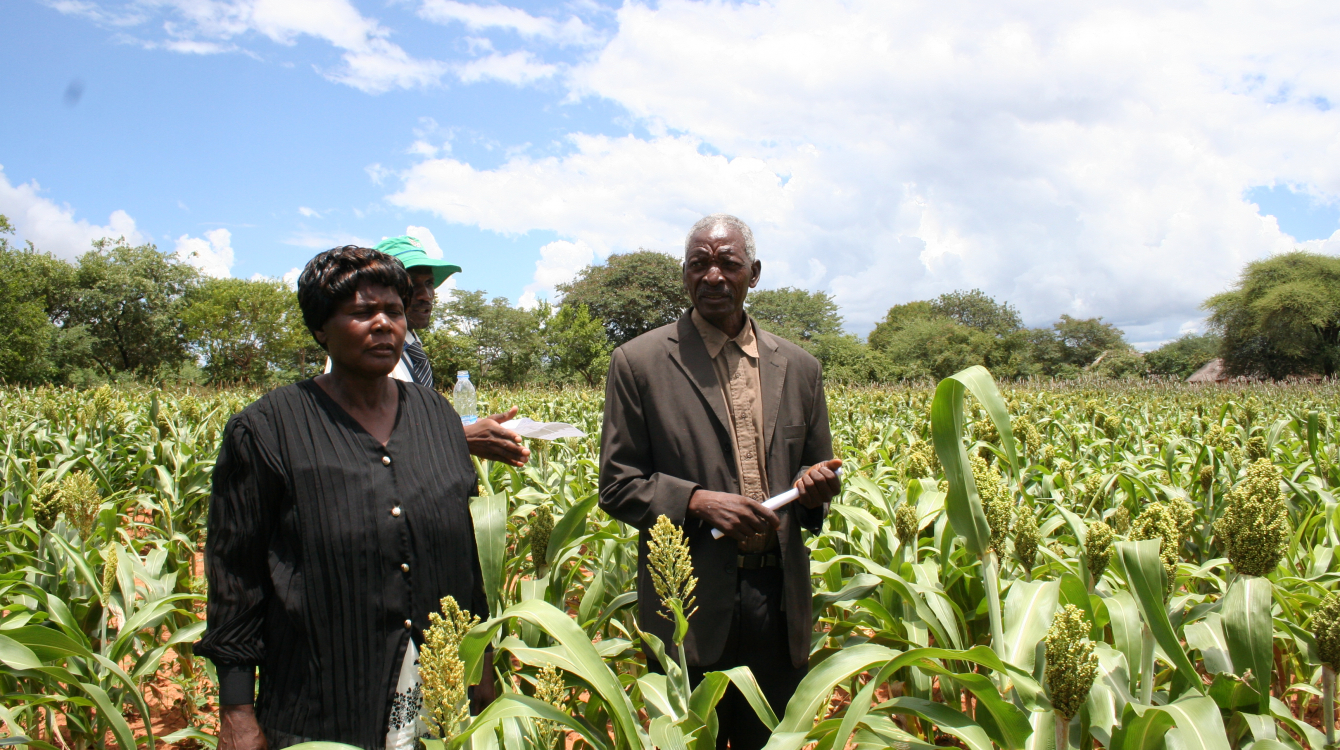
420,312
718,274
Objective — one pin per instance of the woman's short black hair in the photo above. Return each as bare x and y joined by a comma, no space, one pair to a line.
333,276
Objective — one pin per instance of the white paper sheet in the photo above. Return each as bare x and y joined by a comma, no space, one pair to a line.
529,428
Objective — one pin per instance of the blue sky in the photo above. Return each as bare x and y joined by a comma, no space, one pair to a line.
188,143
1121,160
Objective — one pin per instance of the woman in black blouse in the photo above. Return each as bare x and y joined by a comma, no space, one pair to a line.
339,519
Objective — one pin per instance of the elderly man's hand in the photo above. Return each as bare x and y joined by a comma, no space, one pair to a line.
239,730
736,516
488,439
820,484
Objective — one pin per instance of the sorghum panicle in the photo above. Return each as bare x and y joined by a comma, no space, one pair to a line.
541,527
1098,549
671,565
445,700
1026,538
995,501
1159,521
905,523
1326,630
1071,663
1254,529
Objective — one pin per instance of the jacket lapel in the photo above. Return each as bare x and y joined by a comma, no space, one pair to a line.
771,376
691,356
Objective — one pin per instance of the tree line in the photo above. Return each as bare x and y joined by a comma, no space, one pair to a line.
123,312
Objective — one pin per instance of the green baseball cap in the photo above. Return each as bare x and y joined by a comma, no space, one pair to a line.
409,252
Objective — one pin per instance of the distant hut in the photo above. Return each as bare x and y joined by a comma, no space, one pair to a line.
1212,372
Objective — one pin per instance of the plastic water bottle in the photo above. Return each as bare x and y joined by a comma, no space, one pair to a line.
463,398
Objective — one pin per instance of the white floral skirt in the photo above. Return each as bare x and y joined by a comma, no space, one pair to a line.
405,728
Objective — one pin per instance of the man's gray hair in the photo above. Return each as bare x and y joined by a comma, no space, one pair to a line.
728,221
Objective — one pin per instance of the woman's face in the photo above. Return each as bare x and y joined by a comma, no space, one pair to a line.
367,331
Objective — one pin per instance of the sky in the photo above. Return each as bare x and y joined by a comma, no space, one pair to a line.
1122,160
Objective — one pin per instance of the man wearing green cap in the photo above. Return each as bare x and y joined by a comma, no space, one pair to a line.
426,274
487,438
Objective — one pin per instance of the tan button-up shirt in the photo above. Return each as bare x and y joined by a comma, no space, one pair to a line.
735,361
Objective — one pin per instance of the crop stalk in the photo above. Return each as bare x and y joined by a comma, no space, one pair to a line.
991,576
1328,702
1146,665
1061,725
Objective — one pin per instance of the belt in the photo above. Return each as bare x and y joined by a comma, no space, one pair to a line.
754,561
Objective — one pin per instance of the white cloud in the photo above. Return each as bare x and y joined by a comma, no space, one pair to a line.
212,254
610,192
371,62
93,12
516,68
291,277
497,16
1071,158
52,228
425,238
559,262
1330,245
309,213
377,173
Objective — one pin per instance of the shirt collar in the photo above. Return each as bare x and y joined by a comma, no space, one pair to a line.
716,339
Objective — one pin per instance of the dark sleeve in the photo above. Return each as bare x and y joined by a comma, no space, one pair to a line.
241,520
818,447
630,488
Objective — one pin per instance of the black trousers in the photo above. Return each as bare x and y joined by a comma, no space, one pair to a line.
757,640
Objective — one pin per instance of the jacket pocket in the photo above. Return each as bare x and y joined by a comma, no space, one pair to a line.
794,431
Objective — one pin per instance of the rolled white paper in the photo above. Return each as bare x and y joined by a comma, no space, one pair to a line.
775,502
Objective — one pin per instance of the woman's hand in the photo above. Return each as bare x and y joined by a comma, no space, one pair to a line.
239,730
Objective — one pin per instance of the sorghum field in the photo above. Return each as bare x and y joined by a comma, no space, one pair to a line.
1051,565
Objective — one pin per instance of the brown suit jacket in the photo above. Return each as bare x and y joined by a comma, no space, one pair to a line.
667,434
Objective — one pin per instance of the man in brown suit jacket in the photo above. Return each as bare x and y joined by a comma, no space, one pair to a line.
704,419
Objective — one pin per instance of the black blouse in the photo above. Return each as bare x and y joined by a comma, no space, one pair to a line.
326,553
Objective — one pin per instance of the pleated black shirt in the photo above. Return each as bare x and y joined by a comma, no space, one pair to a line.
326,553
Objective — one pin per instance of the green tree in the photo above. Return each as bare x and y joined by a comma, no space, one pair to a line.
247,331
1075,343
936,348
1182,357
898,318
498,342
975,309
797,315
632,293
923,339
1282,317
129,299
847,359
576,344
1120,364
26,331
